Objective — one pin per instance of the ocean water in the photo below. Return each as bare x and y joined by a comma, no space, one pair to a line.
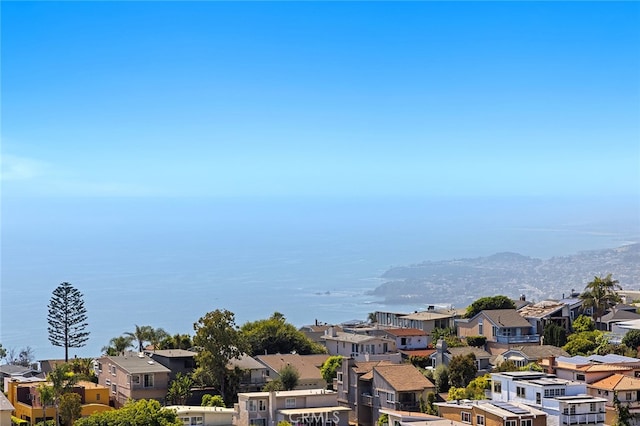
166,262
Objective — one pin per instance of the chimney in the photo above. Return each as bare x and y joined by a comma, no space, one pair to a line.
523,298
551,368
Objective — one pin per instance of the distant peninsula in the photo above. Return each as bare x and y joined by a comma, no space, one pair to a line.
460,281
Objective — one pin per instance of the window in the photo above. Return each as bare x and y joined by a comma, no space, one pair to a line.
572,410
252,405
526,422
403,341
290,403
580,377
547,393
196,420
262,405
186,421
114,388
538,398
391,397
148,380
480,420
113,370
497,386
592,407
339,376
520,391
135,379
628,396
480,326
465,417
510,423
107,382
97,397
100,367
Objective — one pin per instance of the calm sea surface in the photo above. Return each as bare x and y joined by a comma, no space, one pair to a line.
166,263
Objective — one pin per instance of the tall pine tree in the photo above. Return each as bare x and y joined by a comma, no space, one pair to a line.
67,318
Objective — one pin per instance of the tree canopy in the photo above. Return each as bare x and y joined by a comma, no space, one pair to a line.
289,377
134,413
330,368
275,335
67,318
462,369
219,341
489,303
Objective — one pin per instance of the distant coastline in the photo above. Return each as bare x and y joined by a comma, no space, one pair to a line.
459,281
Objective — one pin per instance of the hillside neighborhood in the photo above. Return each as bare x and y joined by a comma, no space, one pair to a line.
572,361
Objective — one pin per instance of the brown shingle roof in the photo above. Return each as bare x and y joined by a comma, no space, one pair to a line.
403,377
366,366
306,368
506,318
464,350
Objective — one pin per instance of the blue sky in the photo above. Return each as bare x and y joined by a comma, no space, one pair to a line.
212,99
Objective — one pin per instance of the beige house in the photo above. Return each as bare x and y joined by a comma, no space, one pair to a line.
490,413
359,346
191,415
313,407
306,365
503,328
628,390
591,368
132,376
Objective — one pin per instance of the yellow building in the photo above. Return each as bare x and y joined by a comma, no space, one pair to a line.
25,398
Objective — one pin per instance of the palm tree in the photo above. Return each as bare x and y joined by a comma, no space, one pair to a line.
118,345
62,380
600,295
46,398
156,335
142,334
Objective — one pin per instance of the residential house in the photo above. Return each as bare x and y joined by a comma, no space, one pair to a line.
407,418
547,312
309,374
628,392
133,376
407,338
492,413
368,387
619,313
192,415
360,346
502,328
311,407
6,408
178,361
354,391
563,400
253,374
10,372
444,354
25,398
591,368
573,305
524,355
315,331
426,321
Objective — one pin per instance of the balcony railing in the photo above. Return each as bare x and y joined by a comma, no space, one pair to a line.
367,400
582,419
526,338
408,406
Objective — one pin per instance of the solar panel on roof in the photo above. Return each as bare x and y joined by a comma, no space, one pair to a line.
510,408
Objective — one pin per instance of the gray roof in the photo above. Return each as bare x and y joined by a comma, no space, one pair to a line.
598,359
172,353
505,318
619,315
245,362
536,352
5,405
463,350
15,369
132,363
